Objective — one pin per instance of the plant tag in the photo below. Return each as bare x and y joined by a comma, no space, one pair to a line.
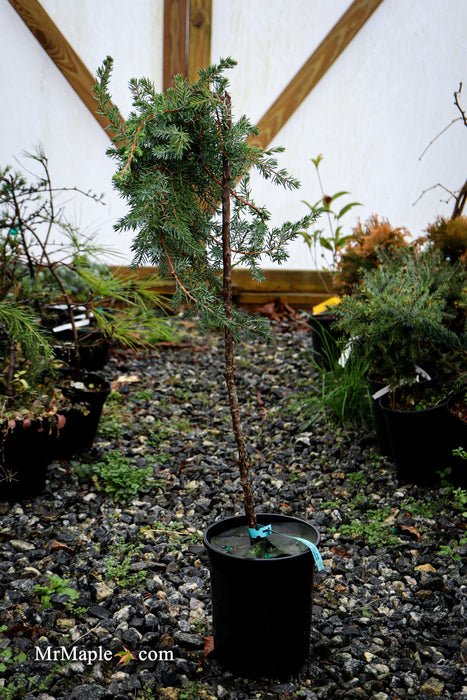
314,549
267,530
422,373
381,392
68,326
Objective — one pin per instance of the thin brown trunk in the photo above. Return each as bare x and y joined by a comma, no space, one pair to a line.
243,461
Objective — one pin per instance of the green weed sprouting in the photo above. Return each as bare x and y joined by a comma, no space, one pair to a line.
56,585
120,562
448,550
372,529
117,476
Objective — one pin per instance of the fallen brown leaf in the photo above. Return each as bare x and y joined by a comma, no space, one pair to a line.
208,646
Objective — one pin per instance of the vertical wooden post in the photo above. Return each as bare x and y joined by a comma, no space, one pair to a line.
175,49
199,47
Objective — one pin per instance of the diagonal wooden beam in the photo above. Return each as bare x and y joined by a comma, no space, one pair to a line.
62,54
313,70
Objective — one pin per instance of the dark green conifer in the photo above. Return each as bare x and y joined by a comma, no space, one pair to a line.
183,166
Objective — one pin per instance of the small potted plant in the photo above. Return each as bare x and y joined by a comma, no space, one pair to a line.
324,243
54,272
398,324
183,166
29,418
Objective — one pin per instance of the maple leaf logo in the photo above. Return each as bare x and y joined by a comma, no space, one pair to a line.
126,656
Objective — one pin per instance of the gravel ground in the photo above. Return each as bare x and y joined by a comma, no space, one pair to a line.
388,609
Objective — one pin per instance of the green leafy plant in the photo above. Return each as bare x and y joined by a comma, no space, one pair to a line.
452,551
45,259
56,585
118,565
8,657
183,167
419,508
115,475
341,393
371,527
333,240
459,499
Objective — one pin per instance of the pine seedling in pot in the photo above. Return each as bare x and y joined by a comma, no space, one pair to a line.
183,166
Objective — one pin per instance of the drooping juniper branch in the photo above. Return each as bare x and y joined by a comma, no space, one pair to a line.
243,460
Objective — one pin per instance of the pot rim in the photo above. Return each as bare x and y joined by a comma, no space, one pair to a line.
264,516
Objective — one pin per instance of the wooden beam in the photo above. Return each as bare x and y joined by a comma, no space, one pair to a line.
301,289
175,50
62,54
199,46
313,70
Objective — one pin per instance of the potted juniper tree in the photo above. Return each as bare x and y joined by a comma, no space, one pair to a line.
183,166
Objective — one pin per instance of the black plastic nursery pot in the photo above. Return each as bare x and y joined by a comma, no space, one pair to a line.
382,438
457,413
420,440
261,608
324,336
94,348
24,458
379,421
82,420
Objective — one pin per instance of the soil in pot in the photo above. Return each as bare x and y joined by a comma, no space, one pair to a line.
261,606
420,434
24,457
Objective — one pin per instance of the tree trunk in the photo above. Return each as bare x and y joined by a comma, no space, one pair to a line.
243,461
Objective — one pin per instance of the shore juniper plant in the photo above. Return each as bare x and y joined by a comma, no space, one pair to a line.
183,166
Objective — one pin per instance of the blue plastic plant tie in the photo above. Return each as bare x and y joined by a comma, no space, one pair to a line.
262,532
267,530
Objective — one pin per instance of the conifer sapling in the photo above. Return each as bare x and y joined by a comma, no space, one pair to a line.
183,166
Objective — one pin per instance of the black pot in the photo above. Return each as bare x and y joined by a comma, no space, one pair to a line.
82,419
24,457
382,437
325,337
459,439
261,608
379,422
94,348
420,441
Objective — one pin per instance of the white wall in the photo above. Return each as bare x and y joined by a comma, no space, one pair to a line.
372,115
38,104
